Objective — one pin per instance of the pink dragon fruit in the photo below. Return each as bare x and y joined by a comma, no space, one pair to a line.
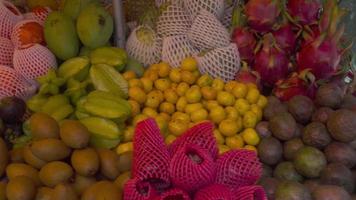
271,62
246,75
262,14
304,12
246,43
286,38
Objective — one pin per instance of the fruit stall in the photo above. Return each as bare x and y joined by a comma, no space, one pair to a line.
177,100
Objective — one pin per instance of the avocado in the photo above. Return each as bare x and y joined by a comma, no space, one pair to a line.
270,150
283,126
316,135
338,174
330,192
309,162
286,171
292,190
270,185
301,107
338,152
312,184
291,147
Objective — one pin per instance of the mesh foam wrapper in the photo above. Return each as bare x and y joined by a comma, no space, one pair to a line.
146,52
173,21
207,32
13,84
191,175
221,63
173,194
151,156
34,61
214,192
8,19
227,18
250,193
238,168
176,48
201,135
6,51
162,2
39,14
23,38
136,189
215,7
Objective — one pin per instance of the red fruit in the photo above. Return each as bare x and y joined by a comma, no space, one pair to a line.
246,43
304,12
296,84
286,38
262,14
26,33
246,75
271,62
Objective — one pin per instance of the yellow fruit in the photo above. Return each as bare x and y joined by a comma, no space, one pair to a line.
258,111
182,116
234,142
197,74
174,86
249,120
147,84
190,108
154,67
229,86
125,147
240,90
170,139
199,115
223,149
225,98
262,102
129,133
211,104
182,89
189,64
177,127
164,69
188,77
217,114
167,107
152,75
253,95
162,124
231,113
137,94
242,106
162,84
219,138
129,75
165,116
175,75
193,95
250,147
228,127
205,80
152,100
251,86
171,96
159,94
135,107
218,84
150,112
181,104
135,83
138,118
208,93
250,136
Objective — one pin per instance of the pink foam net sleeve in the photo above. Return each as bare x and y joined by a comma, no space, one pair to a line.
9,16
238,168
136,189
214,192
39,14
192,168
250,193
173,194
6,51
34,61
19,32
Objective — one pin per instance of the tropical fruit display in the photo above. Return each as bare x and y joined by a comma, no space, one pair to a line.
307,146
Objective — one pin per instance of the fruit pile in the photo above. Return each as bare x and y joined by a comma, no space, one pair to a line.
190,168
308,148
178,98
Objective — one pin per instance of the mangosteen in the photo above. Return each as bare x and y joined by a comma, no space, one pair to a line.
291,147
274,107
309,162
292,190
330,192
341,153
329,95
301,107
283,126
342,125
316,135
338,174
286,171
322,114
270,150
12,109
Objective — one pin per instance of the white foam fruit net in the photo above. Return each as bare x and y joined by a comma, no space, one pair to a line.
20,35
173,21
9,16
144,45
176,48
221,63
39,14
226,20
34,61
207,32
215,7
13,84
6,51
160,2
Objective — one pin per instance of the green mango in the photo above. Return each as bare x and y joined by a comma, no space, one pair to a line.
61,36
112,56
135,66
95,26
72,8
